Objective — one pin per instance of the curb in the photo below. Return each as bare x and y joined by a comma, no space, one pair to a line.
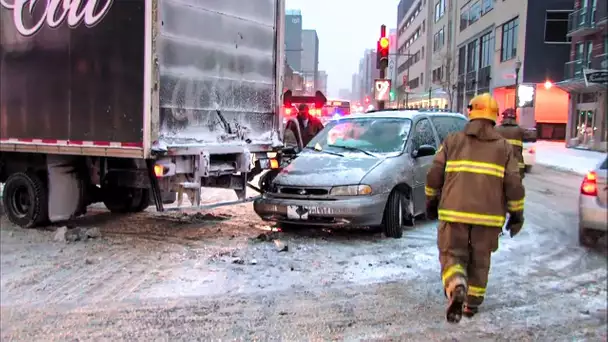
562,169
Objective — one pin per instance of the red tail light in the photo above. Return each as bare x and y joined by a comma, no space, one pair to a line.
589,185
532,150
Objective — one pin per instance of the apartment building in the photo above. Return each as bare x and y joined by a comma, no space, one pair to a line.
588,105
411,48
441,59
500,43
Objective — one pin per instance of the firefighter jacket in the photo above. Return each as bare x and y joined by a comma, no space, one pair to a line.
515,136
475,177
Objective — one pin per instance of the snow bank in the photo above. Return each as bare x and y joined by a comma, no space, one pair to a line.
556,155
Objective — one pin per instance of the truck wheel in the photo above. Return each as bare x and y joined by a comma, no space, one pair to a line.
141,200
25,200
393,214
119,199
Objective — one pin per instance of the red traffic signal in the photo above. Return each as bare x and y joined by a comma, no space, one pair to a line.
382,50
384,43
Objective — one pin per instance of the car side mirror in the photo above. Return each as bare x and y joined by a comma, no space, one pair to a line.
424,151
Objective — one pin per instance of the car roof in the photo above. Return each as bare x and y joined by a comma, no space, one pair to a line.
400,113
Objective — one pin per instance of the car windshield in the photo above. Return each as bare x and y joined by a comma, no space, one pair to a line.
366,135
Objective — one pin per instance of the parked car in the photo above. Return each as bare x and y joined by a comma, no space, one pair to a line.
361,170
593,205
529,148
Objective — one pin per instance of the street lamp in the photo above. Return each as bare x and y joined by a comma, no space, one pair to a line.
517,68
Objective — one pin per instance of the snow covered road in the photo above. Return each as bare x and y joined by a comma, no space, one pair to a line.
221,277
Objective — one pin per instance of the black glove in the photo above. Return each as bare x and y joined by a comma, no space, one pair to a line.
432,207
515,223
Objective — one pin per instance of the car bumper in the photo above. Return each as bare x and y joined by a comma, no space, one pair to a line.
355,211
592,215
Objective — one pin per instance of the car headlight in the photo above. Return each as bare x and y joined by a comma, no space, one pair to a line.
351,190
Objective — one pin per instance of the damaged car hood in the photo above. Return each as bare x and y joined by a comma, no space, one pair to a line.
320,169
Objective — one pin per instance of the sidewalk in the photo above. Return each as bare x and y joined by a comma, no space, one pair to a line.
557,156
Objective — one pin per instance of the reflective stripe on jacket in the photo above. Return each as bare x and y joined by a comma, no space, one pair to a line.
476,177
515,136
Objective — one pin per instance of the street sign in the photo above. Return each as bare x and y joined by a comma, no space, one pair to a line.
596,76
382,89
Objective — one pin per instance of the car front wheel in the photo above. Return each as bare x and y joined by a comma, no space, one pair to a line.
394,213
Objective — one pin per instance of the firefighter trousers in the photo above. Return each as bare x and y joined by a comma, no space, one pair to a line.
464,253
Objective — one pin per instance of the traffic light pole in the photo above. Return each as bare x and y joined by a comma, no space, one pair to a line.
382,76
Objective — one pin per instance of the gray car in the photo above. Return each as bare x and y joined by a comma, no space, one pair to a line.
361,170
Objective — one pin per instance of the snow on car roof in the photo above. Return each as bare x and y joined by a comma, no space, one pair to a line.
394,114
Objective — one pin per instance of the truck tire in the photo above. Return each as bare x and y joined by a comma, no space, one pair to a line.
119,199
141,200
393,214
25,200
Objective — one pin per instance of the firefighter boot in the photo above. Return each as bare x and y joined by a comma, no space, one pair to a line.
457,298
469,311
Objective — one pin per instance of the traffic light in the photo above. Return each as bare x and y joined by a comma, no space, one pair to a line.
392,95
382,50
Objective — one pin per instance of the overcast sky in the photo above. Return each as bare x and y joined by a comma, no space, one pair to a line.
345,28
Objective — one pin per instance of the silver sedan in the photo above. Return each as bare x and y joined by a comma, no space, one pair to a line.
361,170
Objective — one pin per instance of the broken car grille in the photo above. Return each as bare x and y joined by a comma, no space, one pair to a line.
302,191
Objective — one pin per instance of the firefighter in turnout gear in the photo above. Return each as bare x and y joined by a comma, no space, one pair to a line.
472,184
515,136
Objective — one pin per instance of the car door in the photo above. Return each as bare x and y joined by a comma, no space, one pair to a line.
423,135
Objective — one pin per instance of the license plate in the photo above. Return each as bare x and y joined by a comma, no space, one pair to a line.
296,212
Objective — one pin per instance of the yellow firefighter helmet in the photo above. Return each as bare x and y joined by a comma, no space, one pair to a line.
483,106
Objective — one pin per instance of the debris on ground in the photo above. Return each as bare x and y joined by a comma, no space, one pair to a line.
238,261
281,247
64,234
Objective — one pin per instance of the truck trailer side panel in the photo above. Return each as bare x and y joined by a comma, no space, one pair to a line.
73,82
218,72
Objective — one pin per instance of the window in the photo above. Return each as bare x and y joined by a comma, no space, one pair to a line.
589,51
508,45
423,134
486,50
437,75
439,39
556,27
487,6
444,125
376,135
464,18
462,60
475,12
439,10
473,56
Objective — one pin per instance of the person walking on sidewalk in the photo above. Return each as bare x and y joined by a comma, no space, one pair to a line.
514,134
473,181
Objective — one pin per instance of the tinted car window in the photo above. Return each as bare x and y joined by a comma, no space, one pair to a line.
423,134
444,125
379,135
604,165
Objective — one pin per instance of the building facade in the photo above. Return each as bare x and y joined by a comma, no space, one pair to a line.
588,102
411,52
355,95
368,72
293,39
322,80
310,59
499,44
